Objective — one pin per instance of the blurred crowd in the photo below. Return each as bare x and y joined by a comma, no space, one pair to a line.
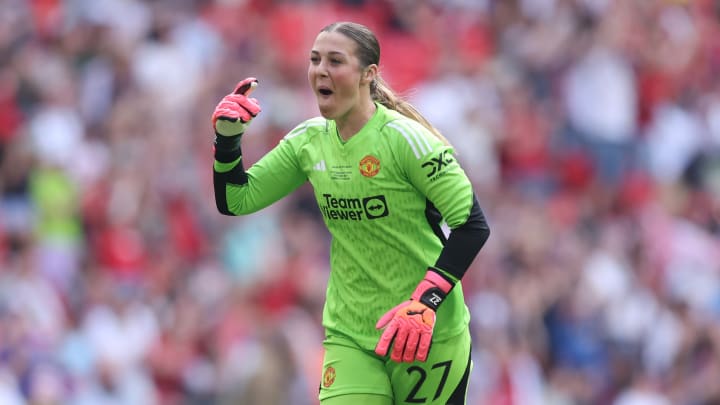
590,128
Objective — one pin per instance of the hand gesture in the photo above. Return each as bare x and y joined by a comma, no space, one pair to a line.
234,112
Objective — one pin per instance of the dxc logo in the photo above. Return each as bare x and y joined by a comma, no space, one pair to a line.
436,164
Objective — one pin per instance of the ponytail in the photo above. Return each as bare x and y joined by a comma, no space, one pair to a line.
368,52
383,94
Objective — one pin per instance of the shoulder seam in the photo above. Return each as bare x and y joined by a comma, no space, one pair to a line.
417,142
302,128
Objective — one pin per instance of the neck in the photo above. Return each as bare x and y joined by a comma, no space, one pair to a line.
352,122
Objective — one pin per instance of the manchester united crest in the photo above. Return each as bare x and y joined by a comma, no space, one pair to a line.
369,166
328,376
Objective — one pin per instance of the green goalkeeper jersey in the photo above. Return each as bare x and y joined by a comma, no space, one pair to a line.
383,195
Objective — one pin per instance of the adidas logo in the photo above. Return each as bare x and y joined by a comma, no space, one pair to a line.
320,166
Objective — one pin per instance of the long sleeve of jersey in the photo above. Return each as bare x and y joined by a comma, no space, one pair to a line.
432,168
238,192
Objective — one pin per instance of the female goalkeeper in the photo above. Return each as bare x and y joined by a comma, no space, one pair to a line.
385,181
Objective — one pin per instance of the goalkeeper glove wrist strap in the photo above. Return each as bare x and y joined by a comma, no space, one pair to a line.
227,148
433,289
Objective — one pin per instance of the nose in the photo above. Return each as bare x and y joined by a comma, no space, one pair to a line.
321,68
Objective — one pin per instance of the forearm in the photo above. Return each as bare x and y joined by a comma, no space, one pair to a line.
228,169
464,243
238,192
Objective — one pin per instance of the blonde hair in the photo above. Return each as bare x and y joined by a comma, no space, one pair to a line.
368,52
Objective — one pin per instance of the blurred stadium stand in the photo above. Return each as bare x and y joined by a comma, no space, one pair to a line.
590,128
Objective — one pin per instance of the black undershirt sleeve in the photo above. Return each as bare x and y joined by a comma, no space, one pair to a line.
464,243
227,150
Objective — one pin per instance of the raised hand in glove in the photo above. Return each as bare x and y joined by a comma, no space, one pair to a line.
409,326
234,112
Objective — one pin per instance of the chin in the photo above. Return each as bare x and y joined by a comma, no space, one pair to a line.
327,112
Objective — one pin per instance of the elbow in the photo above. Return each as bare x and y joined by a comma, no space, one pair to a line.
483,235
478,223
222,207
478,232
226,213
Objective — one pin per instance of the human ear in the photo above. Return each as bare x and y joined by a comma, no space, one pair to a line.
369,74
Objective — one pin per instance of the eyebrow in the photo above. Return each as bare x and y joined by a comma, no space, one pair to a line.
329,53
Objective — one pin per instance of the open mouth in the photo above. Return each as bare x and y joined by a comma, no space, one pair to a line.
325,91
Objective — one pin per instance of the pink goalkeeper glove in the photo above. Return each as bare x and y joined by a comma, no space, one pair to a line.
411,323
233,113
